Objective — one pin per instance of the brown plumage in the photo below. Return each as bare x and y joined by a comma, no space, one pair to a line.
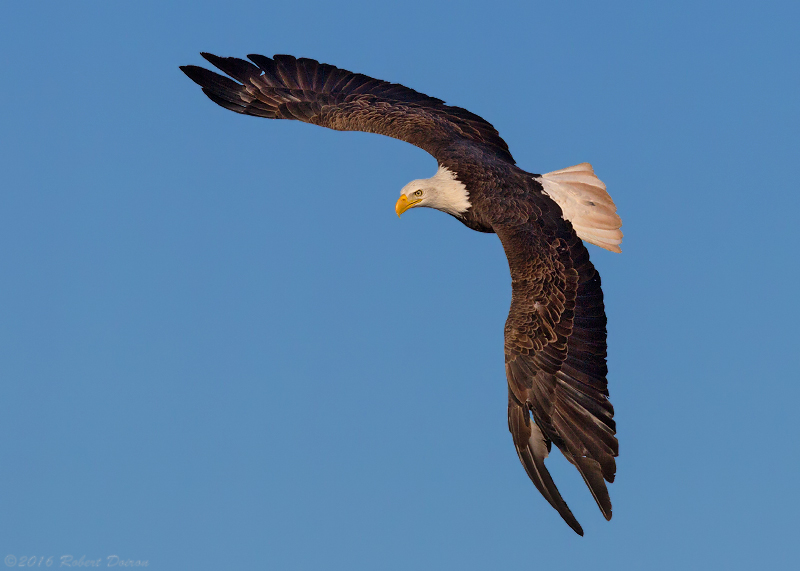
555,335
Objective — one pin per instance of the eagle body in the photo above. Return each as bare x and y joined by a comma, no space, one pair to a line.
555,334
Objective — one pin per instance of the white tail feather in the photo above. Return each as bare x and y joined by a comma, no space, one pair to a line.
586,204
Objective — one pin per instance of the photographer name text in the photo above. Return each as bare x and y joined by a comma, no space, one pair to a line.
72,561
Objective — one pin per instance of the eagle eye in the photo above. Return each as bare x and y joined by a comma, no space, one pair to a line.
418,193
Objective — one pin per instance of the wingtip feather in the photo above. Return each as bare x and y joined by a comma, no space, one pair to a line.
591,472
532,449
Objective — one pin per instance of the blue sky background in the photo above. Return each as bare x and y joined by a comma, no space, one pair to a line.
220,349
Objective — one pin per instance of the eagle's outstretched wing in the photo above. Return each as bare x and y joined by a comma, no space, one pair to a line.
285,87
555,346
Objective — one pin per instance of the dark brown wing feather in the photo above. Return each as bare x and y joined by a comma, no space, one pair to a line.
532,449
555,345
285,87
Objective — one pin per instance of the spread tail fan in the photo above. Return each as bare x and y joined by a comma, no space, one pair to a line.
586,204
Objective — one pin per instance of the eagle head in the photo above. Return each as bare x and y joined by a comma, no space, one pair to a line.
443,191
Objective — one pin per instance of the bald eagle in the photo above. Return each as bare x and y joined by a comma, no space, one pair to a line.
555,334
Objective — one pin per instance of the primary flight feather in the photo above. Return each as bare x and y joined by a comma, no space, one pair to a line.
555,334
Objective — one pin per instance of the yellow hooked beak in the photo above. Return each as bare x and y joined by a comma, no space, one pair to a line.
404,204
